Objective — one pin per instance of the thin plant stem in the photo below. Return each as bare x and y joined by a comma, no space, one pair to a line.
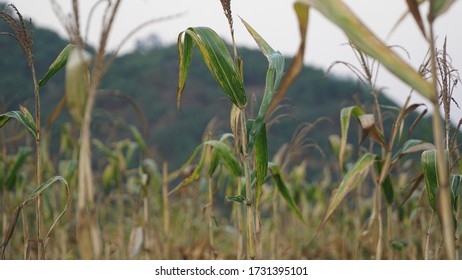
38,161
240,223
250,200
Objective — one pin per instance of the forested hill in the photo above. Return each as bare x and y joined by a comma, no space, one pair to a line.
146,80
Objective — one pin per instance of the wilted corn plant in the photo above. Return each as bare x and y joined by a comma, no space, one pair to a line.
365,41
23,36
249,135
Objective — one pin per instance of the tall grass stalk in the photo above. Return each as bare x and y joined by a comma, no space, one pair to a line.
444,200
25,41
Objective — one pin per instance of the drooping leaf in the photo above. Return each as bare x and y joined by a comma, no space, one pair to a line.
108,152
402,18
413,6
43,187
350,181
216,57
273,79
24,117
139,139
33,195
214,161
412,146
387,185
430,171
226,155
59,63
283,190
345,116
77,83
338,13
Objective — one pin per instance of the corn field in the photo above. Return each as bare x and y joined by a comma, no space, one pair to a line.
393,196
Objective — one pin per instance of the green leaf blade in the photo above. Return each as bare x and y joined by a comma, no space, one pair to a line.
283,190
226,155
439,7
350,181
218,60
261,162
430,171
58,64
24,117
273,79
345,116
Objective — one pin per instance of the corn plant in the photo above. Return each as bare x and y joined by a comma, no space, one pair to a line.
249,135
364,40
23,36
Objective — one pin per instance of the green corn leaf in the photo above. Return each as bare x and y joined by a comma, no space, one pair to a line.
349,182
223,151
110,154
412,146
139,139
456,190
398,246
216,57
77,82
439,7
214,161
12,172
226,155
387,185
43,187
338,13
59,63
32,196
108,176
345,116
283,190
273,79
67,168
261,162
238,199
430,171
24,117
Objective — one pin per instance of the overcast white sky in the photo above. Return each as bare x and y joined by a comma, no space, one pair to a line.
276,22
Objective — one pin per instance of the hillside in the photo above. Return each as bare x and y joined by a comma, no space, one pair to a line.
149,78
